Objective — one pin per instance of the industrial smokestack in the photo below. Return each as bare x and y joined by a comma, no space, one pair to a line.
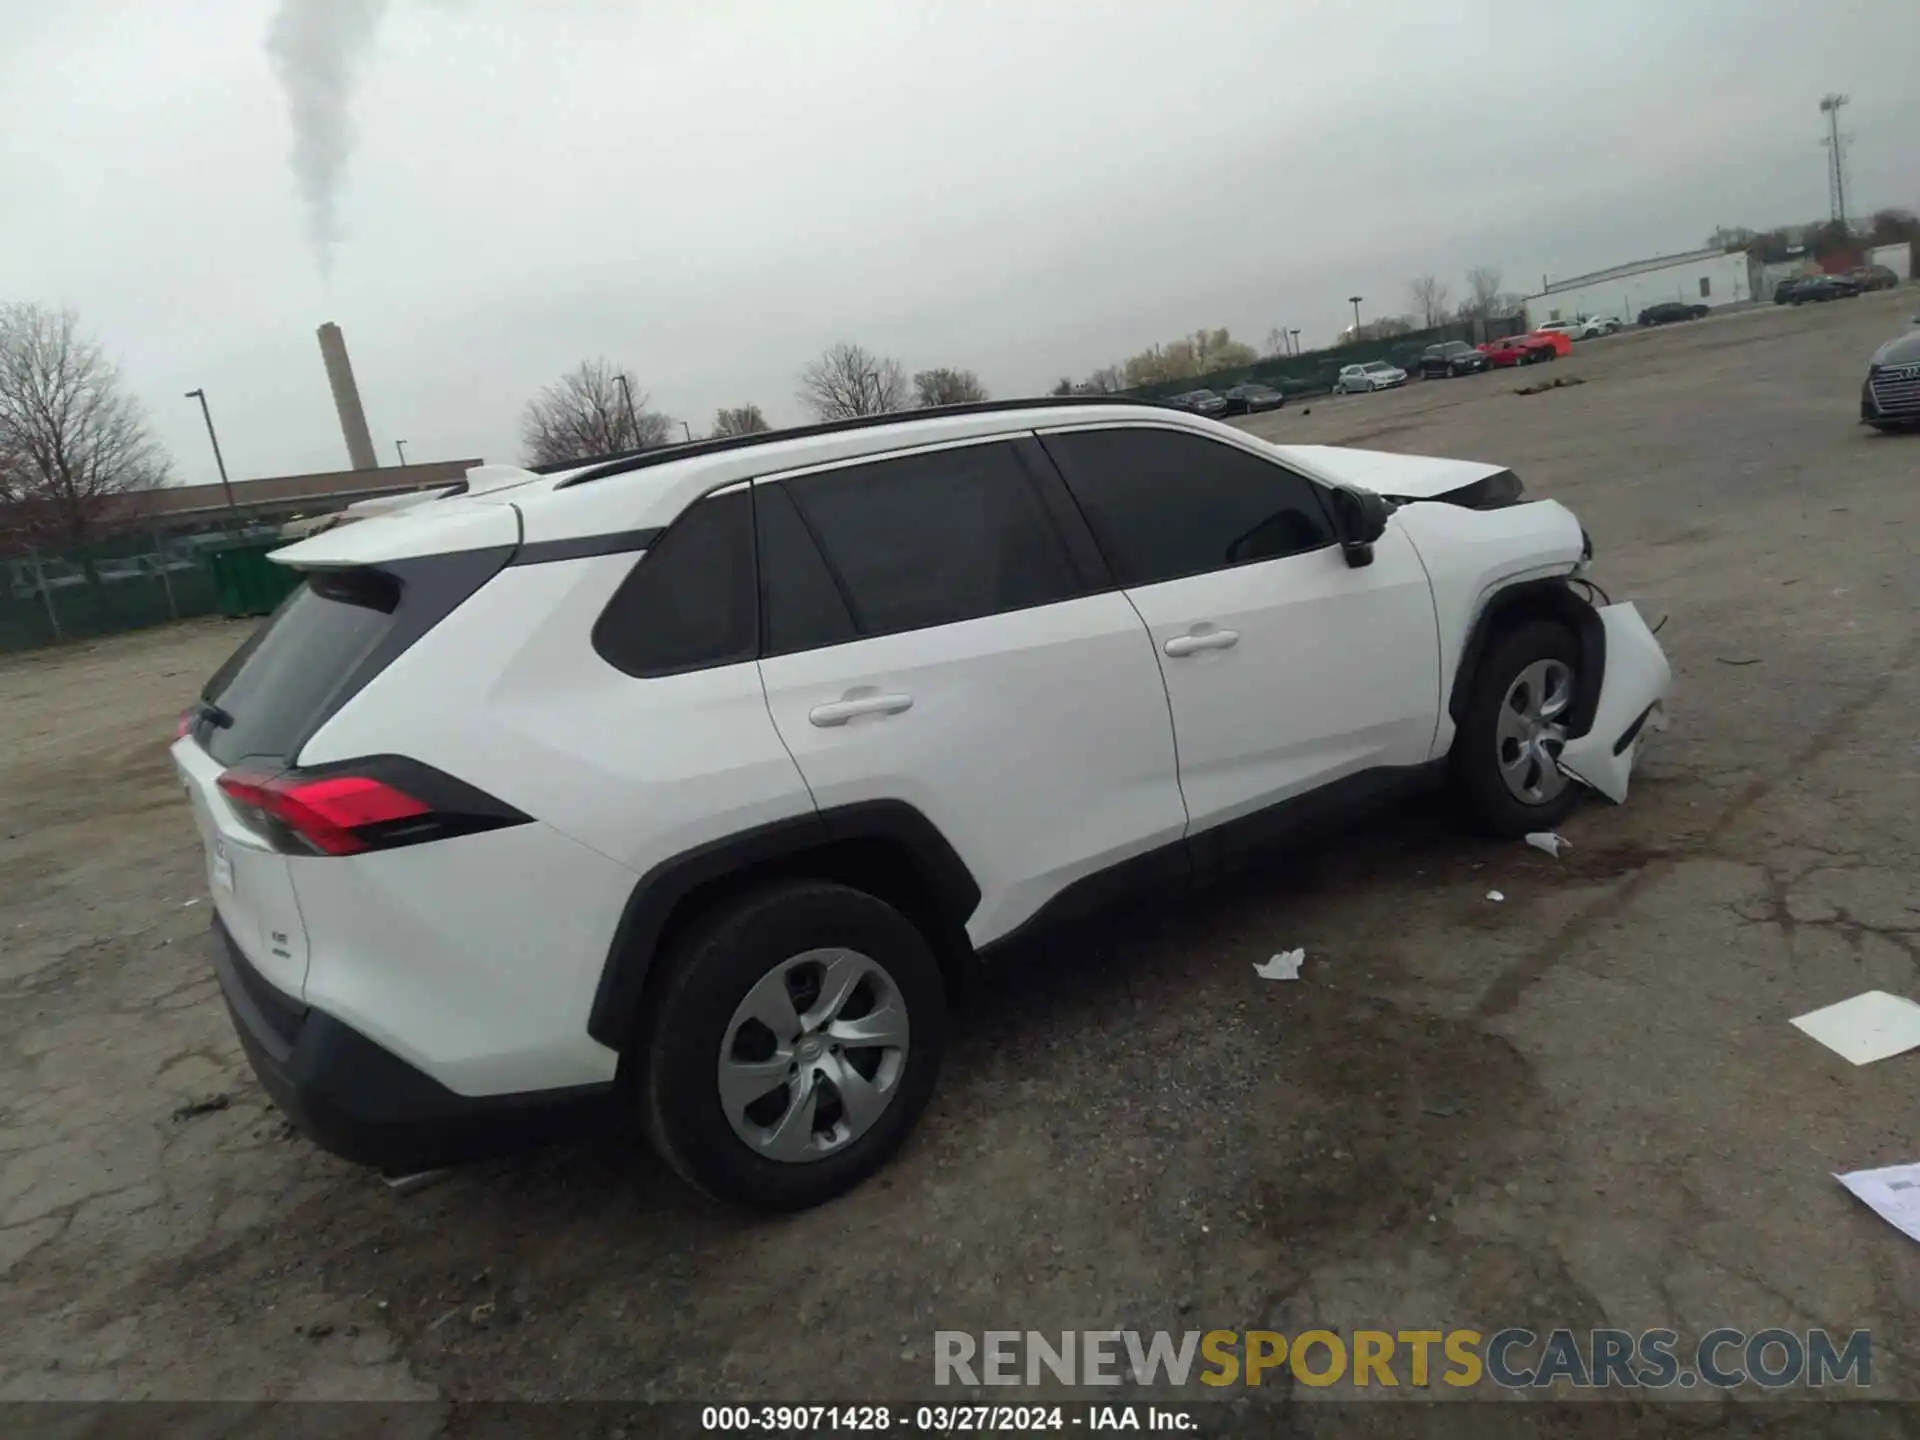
346,398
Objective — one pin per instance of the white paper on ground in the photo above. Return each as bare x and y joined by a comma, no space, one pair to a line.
1548,841
1284,966
1866,1028
1495,896
1892,1193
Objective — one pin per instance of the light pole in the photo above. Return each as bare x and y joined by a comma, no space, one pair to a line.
1354,301
401,446
633,425
207,415
687,430
1296,340
1837,174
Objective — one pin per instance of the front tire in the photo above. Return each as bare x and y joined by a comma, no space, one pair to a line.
1504,755
796,1038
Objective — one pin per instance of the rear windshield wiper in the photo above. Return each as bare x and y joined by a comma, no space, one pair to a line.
213,714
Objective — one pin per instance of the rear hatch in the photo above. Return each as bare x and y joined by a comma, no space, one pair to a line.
355,611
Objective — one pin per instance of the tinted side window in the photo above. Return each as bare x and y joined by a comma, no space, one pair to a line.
690,601
801,606
1163,505
936,538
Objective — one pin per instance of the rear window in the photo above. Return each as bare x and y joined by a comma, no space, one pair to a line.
332,635
285,677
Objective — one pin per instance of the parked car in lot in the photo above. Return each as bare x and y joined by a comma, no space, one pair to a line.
1253,398
1587,327
1374,375
1874,277
1521,350
1669,311
1451,358
1198,402
1558,341
688,785
1890,395
1814,289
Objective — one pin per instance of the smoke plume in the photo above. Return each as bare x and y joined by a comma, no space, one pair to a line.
317,47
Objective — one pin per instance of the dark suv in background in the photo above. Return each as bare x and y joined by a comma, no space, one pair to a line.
1450,358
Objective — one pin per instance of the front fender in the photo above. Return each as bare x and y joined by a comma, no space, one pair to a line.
1632,699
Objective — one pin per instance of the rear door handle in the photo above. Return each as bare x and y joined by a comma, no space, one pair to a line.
1207,640
839,712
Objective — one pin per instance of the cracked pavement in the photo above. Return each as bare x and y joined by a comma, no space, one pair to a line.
1581,1107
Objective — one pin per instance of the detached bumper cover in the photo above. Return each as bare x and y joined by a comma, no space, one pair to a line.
1632,700
366,1105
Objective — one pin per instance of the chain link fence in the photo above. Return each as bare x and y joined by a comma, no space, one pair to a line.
131,581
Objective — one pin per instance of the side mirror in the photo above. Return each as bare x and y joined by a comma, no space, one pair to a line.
1359,518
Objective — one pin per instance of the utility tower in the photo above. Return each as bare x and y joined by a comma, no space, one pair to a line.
1836,144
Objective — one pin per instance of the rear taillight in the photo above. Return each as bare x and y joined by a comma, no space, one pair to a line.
378,804
184,727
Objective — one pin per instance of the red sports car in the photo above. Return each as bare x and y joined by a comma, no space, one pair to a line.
1519,350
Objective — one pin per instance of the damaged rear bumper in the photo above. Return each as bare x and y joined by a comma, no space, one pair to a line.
1633,693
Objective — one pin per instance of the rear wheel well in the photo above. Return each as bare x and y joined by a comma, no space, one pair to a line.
881,867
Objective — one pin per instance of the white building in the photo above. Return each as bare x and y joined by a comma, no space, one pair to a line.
1700,277
1897,258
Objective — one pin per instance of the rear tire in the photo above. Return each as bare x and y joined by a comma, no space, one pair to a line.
783,942
1493,759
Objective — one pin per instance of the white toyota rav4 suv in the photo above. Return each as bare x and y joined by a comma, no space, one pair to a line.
691,785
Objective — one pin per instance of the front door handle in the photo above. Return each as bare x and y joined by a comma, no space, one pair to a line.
1206,640
839,712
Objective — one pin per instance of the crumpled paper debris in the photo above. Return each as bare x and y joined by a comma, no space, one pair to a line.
1284,966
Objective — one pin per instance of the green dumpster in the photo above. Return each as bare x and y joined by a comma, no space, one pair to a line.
245,582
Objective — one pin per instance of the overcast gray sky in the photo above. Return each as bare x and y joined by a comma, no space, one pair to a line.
711,192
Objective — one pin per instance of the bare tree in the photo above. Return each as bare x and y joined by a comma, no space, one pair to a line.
1483,290
1215,350
593,409
1107,380
849,380
739,420
947,387
1385,327
73,444
1429,297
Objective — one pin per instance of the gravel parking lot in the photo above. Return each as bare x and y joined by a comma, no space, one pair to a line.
1583,1106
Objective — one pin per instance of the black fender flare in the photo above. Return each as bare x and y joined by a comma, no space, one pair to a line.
782,846
1552,599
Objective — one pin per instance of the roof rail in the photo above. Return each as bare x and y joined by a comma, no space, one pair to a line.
554,467
722,444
